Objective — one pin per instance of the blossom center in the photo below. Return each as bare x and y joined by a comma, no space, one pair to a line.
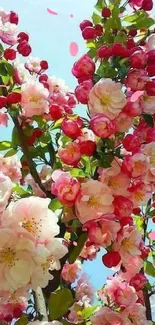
93,201
30,225
7,256
34,99
105,100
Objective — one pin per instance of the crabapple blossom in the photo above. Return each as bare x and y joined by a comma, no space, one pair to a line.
123,122
70,154
94,200
136,315
135,165
3,118
106,97
34,99
123,206
84,290
11,167
147,104
5,191
106,316
138,281
84,67
82,91
70,272
102,126
65,187
136,79
33,64
89,251
8,33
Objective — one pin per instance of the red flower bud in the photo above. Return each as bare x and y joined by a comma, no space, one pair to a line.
13,98
88,148
71,128
8,318
24,48
17,312
119,50
111,259
99,30
43,78
104,52
150,88
9,54
151,57
89,33
3,101
13,18
106,12
126,221
147,5
133,32
22,36
56,112
37,133
44,65
151,70
85,23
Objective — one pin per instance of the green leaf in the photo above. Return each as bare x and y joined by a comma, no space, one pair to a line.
106,160
55,205
148,119
19,190
4,145
6,68
87,312
131,18
77,249
39,119
149,269
59,303
91,45
100,4
22,321
115,12
57,124
96,18
10,153
121,37
1,49
92,53
146,21
15,138
76,172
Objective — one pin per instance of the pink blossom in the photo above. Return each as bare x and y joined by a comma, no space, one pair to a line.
57,86
102,126
122,206
84,67
125,295
117,183
84,290
134,265
8,33
103,232
33,64
94,200
89,251
136,79
123,122
5,191
75,315
138,281
70,154
66,188
70,272
148,104
131,143
150,44
32,217
106,316
106,97
141,130
132,108
5,17
127,243
4,119
34,99
13,300
136,315
11,167
140,193
135,165
82,91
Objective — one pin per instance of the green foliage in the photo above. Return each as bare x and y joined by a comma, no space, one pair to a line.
4,145
6,69
15,138
59,303
148,119
87,312
10,153
96,18
77,249
22,321
55,205
149,269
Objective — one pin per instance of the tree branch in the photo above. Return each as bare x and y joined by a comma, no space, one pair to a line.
29,160
40,304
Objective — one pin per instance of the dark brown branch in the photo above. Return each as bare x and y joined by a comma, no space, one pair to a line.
29,160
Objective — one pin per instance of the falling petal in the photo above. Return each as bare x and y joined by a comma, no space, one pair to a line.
52,12
73,48
152,235
136,95
71,15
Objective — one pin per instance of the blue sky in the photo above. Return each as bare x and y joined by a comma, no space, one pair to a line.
50,37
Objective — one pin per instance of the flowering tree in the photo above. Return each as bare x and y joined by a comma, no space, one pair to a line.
71,186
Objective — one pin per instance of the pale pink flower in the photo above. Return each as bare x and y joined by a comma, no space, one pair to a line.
35,187
16,264
89,251
5,17
70,154
8,33
106,97
127,243
149,150
21,74
70,272
150,44
33,64
140,193
11,167
123,122
66,188
32,217
84,290
5,191
3,119
136,315
34,98
125,295
102,126
94,200
148,104
106,316
103,232
86,135
117,183
135,165
132,267
57,85
75,315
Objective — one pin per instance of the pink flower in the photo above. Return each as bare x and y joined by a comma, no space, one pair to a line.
136,315
106,316
149,150
84,290
103,232
150,44
132,108
131,143
34,99
122,206
70,272
70,154
11,167
125,295
5,17
4,119
123,122
57,86
138,59
84,67
94,200
138,281
102,126
33,64
135,165
106,97
8,33
127,243
140,193
32,217
134,265
148,104
66,188
5,191
89,251
136,79
82,91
